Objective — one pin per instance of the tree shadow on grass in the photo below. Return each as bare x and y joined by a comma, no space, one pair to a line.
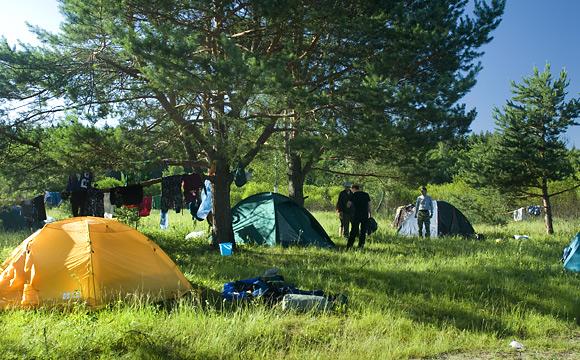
476,297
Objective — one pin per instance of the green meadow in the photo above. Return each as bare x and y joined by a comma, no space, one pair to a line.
409,298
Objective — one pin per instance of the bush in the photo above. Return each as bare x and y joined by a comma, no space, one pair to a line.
237,194
478,205
108,183
320,198
317,198
129,217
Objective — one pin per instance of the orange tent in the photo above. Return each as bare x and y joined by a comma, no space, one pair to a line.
90,260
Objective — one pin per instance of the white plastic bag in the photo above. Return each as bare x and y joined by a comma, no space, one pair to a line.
517,345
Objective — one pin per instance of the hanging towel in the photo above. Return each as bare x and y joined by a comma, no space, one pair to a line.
192,182
145,207
26,208
156,202
115,197
52,198
239,173
519,214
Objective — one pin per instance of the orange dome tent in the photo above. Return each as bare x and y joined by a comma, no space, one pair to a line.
90,260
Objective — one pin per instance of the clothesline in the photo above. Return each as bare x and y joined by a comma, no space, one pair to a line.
525,207
153,182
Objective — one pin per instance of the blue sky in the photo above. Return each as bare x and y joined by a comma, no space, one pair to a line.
531,33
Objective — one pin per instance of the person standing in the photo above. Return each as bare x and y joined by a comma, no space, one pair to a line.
361,202
424,212
344,213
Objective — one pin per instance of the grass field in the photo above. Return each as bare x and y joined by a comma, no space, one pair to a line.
409,298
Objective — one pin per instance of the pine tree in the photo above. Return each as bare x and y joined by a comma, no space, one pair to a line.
221,77
527,153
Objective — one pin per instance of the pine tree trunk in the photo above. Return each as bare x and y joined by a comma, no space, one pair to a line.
547,208
295,178
220,204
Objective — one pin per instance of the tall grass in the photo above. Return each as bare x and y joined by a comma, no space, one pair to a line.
408,298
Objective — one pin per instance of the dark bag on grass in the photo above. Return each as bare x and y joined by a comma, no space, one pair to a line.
372,226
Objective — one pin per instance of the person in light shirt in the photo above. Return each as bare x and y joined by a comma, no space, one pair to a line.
424,212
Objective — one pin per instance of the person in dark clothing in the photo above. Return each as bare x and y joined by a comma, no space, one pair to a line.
344,213
77,187
361,202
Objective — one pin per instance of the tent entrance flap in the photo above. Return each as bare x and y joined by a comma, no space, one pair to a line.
251,235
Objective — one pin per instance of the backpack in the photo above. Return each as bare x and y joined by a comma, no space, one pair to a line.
372,226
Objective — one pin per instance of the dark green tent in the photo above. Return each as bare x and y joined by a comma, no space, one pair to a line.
273,219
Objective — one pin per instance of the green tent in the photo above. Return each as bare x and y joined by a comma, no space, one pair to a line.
273,219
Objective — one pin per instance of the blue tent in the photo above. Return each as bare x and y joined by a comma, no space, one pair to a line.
571,256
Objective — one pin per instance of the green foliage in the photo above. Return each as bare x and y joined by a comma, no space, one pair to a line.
108,182
25,170
396,100
321,198
401,195
527,152
250,188
481,205
210,82
567,204
127,216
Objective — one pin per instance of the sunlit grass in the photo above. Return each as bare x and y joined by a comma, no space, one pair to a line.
408,298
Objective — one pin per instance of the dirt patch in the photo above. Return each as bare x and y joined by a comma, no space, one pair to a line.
519,355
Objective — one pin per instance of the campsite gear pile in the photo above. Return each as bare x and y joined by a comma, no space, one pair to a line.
448,221
88,260
11,220
33,210
271,288
274,219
